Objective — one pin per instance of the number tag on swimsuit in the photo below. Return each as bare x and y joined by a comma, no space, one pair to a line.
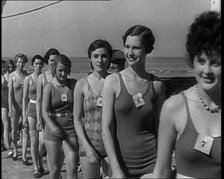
138,100
204,144
64,97
22,82
99,101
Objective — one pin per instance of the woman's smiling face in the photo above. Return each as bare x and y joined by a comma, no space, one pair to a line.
207,69
134,50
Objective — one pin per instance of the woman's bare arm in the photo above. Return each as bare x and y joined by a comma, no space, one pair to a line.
39,101
46,108
10,94
109,96
166,140
25,99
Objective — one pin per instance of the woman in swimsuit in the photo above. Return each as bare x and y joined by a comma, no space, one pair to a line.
16,81
5,119
57,111
132,100
88,110
190,121
29,112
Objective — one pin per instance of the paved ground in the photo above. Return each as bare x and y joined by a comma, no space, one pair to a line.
16,170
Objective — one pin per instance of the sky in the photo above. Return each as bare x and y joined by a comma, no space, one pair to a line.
70,26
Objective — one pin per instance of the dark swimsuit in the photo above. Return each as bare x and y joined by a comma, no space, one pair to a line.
4,93
31,110
57,106
136,133
191,162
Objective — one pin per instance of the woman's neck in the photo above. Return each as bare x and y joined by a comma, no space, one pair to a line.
36,74
137,72
211,96
100,75
59,82
20,72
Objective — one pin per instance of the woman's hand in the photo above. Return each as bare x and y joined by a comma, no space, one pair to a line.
10,114
118,173
92,156
39,125
25,122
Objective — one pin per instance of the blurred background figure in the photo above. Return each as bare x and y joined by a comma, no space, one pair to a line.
117,62
11,66
5,108
29,113
16,81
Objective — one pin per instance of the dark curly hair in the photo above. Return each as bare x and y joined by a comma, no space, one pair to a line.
145,34
204,35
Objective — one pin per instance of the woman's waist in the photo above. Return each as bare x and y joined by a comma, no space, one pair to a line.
33,101
135,134
138,143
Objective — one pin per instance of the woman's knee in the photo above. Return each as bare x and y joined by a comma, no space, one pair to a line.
72,159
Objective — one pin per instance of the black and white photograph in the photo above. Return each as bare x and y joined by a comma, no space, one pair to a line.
110,89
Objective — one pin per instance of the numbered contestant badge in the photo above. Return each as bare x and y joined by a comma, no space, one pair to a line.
204,144
99,101
138,100
64,97
22,82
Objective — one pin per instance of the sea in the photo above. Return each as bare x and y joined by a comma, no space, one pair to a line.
159,66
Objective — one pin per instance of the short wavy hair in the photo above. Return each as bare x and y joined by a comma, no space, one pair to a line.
50,52
37,57
204,35
145,34
22,56
63,59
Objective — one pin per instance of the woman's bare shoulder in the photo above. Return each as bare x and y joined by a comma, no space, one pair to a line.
27,79
174,103
112,78
41,77
48,86
81,84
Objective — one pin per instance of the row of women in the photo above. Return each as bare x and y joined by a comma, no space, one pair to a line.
120,121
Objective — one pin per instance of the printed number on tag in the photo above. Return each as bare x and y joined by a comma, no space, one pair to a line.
204,144
64,97
138,100
99,102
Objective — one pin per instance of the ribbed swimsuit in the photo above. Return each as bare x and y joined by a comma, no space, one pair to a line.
31,110
136,136
191,162
92,122
65,123
4,93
